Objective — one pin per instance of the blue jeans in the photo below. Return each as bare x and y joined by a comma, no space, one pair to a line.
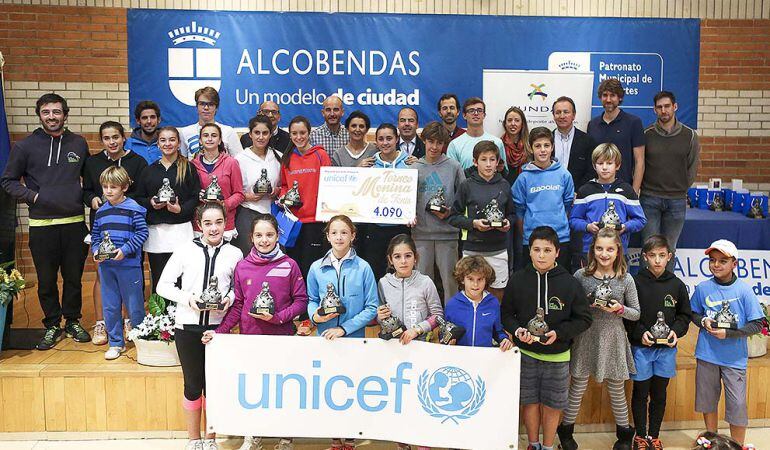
664,216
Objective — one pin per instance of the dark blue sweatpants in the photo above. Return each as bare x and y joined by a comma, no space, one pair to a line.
121,286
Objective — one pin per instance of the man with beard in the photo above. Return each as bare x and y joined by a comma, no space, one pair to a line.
144,139
622,129
671,163
280,139
50,161
331,135
448,111
408,141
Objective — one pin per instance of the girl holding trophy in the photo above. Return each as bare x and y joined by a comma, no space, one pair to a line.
206,266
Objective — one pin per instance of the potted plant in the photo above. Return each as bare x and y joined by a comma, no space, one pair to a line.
10,284
154,337
757,343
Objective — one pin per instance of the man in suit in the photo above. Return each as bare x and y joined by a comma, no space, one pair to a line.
572,147
408,140
280,139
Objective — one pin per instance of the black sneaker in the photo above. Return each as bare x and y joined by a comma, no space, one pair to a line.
50,338
77,332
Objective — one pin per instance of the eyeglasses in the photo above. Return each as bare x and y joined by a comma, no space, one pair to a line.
207,104
269,112
474,111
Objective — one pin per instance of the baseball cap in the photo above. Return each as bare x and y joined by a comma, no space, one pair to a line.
724,246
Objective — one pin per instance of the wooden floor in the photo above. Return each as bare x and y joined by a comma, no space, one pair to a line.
72,387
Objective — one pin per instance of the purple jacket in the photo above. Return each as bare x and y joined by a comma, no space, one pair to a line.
286,285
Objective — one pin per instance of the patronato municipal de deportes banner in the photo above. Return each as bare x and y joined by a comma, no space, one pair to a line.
379,63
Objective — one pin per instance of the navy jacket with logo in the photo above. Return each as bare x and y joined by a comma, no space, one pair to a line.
558,293
666,293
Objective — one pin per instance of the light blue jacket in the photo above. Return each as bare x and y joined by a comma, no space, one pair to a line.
356,287
398,163
544,197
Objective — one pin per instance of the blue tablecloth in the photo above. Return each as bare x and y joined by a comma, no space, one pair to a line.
702,227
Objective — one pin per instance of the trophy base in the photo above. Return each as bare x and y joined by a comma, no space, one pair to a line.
611,226
495,223
602,303
216,198
158,200
726,325
210,306
661,341
105,256
261,190
261,311
291,204
437,208
332,310
538,339
391,334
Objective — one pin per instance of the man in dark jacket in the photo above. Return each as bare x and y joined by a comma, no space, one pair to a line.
544,308
50,161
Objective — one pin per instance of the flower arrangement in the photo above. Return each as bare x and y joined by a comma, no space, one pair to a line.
10,283
158,324
765,320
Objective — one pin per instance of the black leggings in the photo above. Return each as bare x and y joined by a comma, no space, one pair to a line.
655,389
157,263
192,355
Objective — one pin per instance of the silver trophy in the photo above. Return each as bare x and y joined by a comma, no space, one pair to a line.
717,204
448,331
165,194
437,202
107,249
756,209
263,185
725,318
391,327
537,326
602,294
660,330
211,298
291,197
213,192
610,218
331,303
264,304
493,214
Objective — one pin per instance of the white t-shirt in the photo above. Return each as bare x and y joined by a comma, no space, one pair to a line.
190,135
251,170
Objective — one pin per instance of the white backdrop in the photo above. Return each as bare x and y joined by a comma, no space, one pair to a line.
534,91
421,393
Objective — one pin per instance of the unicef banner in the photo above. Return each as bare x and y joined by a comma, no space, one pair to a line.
421,393
692,267
381,62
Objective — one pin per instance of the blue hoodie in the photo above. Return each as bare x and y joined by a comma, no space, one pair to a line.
128,230
356,287
544,197
481,323
398,163
147,150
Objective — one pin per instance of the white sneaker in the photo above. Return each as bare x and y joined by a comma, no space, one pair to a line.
210,444
196,444
126,328
113,353
251,443
284,444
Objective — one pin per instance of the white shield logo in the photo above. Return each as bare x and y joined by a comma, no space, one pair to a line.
191,66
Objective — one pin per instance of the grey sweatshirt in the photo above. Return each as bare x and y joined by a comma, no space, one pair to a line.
414,300
670,160
446,173
341,157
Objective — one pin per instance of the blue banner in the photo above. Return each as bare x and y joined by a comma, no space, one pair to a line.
5,138
381,62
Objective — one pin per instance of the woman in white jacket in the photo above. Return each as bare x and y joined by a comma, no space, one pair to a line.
196,263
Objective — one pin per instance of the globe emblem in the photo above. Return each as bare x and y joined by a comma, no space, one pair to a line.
450,393
450,389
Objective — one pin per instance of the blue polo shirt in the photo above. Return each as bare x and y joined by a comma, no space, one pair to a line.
626,132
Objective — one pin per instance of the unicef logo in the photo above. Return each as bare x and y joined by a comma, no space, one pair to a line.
450,393
191,66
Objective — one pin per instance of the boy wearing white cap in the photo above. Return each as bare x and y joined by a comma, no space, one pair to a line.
727,311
